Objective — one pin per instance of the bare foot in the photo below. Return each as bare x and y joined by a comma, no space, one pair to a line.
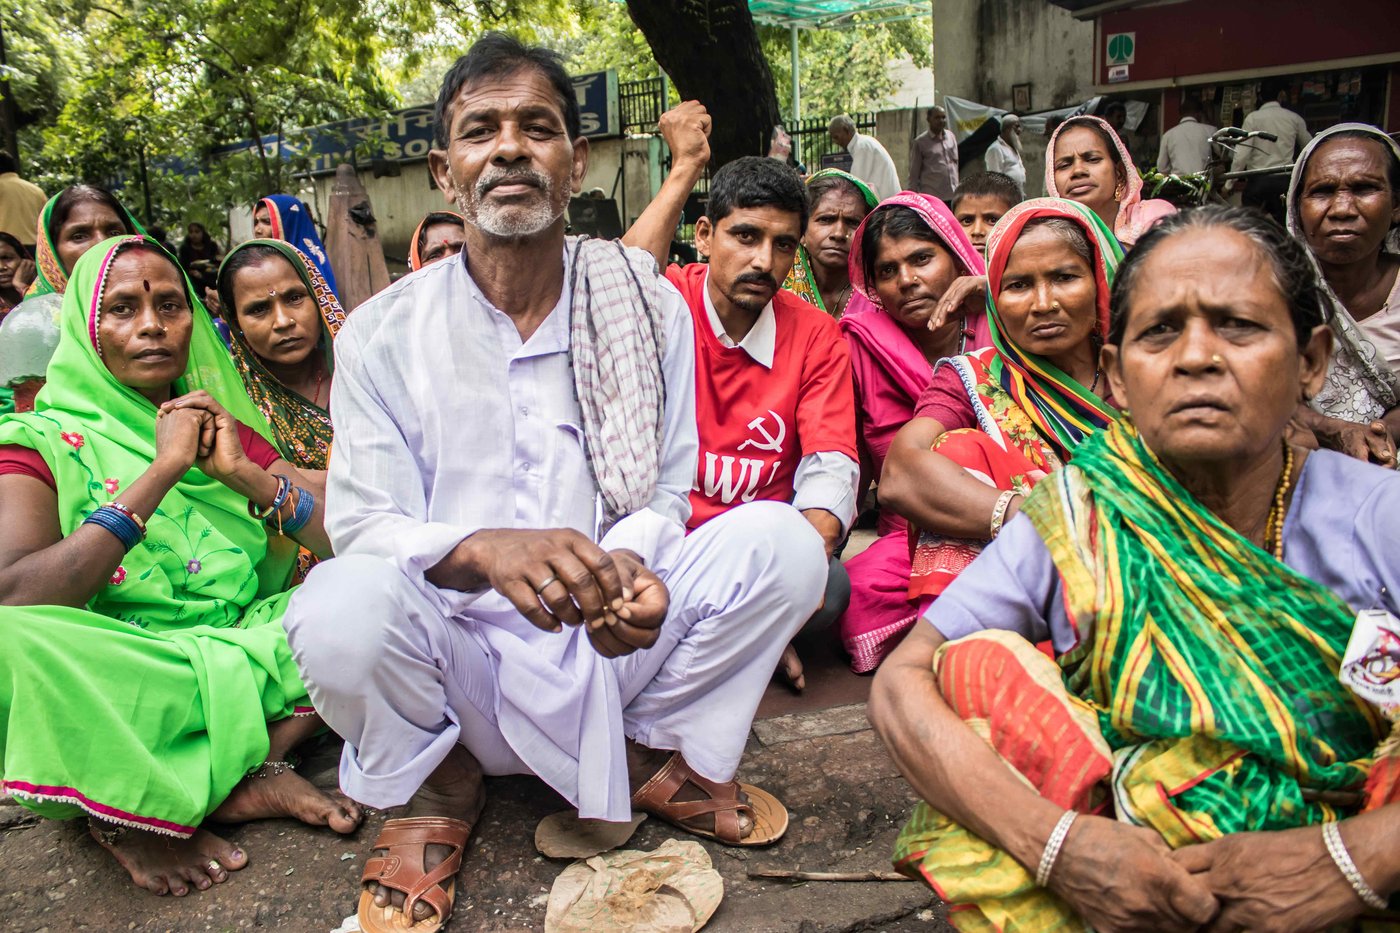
642,765
792,668
455,789
287,794
170,865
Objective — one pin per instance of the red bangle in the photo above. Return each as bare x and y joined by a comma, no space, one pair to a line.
140,523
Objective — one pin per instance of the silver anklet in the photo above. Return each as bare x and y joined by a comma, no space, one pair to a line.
274,767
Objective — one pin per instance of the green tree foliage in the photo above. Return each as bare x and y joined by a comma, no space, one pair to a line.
845,69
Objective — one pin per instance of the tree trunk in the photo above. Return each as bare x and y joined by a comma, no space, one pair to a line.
710,50
9,125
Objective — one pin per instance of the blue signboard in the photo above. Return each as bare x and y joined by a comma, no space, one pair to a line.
407,135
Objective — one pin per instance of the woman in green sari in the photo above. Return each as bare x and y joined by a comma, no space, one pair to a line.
1210,747
838,201
149,537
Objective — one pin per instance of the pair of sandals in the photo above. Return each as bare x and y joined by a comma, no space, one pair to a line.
405,842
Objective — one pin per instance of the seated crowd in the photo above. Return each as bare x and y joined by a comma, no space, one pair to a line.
1130,472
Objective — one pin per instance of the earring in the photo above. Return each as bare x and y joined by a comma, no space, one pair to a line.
1119,191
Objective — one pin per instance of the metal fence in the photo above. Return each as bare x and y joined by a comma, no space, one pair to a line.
810,140
642,104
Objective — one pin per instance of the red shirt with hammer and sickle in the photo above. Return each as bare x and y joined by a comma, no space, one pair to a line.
756,424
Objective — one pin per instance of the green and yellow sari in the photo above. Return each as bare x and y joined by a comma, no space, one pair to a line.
1202,700
147,707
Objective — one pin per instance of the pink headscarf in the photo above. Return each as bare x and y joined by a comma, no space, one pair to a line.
890,371
1135,215
949,232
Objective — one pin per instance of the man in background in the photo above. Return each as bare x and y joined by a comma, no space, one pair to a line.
20,203
870,161
1266,191
933,163
1185,147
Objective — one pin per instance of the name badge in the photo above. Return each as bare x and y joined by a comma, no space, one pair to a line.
1371,665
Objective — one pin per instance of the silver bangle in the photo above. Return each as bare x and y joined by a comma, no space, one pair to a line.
1053,846
1332,836
999,510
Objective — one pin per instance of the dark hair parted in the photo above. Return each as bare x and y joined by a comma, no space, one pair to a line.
432,220
1104,133
238,260
894,222
756,181
820,187
13,243
77,194
1067,230
989,184
1293,273
497,55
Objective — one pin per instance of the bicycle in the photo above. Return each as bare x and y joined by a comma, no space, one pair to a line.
1198,188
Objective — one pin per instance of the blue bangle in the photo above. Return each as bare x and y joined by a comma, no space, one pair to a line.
118,523
306,503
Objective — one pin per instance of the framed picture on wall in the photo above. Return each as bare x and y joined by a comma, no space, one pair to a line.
1021,97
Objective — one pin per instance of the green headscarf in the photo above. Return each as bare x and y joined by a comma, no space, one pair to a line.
51,277
800,281
302,430
204,559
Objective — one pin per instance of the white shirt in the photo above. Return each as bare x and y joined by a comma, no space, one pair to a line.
1185,148
448,424
873,165
1001,157
825,479
1291,130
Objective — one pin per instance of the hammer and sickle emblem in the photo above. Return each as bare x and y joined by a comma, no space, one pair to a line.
770,441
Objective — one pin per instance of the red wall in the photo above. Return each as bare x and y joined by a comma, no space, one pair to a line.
1208,36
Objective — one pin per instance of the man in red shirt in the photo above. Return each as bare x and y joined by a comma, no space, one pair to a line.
775,407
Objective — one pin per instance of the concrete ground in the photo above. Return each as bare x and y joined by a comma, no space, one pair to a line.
816,752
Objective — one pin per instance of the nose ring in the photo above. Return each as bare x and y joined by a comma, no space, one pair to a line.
1217,359
1055,306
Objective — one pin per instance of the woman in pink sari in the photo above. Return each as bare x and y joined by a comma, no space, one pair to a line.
904,256
1085,161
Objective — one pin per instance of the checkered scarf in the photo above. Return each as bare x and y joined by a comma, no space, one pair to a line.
616,342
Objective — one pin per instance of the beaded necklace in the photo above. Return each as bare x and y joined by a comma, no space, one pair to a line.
1273,531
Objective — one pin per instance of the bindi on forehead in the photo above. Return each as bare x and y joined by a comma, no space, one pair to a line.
146,284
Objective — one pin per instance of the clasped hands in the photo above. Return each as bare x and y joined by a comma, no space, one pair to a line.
195,430
558,577
1120,877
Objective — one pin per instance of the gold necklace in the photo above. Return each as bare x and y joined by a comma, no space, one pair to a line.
1273,531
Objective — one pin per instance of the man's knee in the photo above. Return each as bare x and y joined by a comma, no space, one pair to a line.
784,548
339,618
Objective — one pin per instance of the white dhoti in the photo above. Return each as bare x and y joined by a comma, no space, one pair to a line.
402,683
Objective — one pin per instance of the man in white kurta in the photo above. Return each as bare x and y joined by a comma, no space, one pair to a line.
451,424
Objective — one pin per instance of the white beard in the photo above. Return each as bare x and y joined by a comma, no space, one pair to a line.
511,221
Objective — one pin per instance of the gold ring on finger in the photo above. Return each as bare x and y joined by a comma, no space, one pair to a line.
545,585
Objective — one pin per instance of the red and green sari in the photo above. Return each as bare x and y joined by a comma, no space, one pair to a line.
1030,414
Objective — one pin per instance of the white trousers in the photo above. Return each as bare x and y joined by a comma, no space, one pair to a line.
402,684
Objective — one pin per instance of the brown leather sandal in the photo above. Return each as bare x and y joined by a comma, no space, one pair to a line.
406,841
769,816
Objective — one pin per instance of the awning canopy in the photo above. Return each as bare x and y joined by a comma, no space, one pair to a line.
818,14
796,15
